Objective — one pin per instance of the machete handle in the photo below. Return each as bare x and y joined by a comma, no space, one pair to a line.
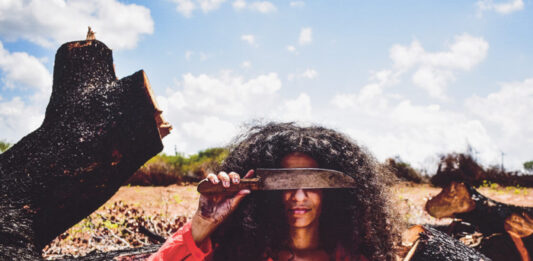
206,187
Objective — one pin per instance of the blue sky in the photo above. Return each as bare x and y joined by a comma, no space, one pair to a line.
404,78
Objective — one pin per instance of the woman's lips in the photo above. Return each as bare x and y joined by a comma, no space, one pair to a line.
299,211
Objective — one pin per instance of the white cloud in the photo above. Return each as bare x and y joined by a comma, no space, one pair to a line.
417,133
210,129
202,104
210,5
263,7
508,113
501,8
298,109
435,70
297,3
464,53
249,38
48,23
390,124
307,74
371,97
239,4
18,118
306,36
22,71
434,81
291,48
185,7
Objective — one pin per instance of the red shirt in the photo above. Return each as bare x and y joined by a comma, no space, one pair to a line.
181,246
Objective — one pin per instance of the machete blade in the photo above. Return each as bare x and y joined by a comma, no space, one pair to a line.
304,178
284,179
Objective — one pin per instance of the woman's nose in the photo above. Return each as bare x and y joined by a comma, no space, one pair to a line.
299,195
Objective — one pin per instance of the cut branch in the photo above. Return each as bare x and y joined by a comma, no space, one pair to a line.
490,217
97,131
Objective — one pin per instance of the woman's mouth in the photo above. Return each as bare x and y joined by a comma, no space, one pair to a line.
299,211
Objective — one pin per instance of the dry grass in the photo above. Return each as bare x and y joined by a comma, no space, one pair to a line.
183,200
163,210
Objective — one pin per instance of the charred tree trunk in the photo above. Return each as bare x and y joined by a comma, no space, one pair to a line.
97,131
500,247
433,245
489,217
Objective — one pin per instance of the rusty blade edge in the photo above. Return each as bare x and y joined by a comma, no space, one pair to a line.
304,178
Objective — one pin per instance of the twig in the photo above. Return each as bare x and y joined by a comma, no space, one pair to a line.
117,237
151,234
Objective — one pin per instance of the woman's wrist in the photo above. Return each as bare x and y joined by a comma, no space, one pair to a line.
201,228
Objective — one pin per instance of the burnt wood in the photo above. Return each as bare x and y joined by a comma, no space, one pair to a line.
490,215
502,225
434,245
97,131
500,247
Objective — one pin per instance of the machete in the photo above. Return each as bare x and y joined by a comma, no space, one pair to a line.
284,179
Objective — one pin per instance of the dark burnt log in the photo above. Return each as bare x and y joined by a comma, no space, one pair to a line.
461,201
500,247
129,254
456,228
434,245
97,131
490,217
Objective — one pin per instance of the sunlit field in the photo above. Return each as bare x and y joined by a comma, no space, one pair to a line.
162,210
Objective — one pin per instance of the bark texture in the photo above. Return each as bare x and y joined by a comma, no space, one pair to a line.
97,131
434,245
490,215
501,225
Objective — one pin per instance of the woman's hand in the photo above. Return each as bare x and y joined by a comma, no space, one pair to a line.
213,209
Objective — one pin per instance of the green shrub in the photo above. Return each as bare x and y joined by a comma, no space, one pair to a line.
528,166
404,171
163,169
4,145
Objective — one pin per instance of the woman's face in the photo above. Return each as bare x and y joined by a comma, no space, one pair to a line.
302,206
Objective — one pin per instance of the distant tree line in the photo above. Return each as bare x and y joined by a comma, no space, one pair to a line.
165,169
464,168
178,169
461,167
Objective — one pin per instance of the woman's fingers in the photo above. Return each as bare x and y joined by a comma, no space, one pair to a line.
249,174
234,177
228,179
224,177
213,178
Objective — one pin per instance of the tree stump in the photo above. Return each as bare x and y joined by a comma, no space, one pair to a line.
97,131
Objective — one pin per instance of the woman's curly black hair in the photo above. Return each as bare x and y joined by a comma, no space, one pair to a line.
361,220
